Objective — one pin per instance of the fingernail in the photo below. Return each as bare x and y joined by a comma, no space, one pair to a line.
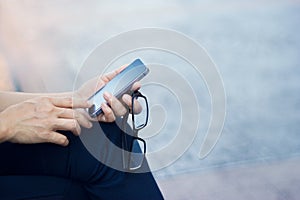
90,125
66,142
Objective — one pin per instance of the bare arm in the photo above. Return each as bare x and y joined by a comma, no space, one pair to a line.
11,98
35,118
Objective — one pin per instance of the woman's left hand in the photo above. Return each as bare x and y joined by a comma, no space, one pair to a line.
116,107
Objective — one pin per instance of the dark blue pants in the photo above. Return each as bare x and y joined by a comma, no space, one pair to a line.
48,171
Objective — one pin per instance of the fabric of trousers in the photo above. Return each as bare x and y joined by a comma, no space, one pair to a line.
49,171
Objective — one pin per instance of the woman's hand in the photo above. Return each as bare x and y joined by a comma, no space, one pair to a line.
116,107
37,120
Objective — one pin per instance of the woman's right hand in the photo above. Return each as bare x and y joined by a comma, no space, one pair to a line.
37,120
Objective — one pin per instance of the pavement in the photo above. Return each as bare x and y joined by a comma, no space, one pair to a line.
278,180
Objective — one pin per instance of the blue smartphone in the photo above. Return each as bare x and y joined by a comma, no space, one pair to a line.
119,85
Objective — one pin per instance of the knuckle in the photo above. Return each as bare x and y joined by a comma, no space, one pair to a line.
75,114
111,119
45,124
46,135
68,101
127,99
44,108
109,112
111,115
73,124
76,127
29,104
123,111
60,112
40,104
44,99
48,123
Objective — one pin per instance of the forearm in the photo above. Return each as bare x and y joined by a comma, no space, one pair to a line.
11,98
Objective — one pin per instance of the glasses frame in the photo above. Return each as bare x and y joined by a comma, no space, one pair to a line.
127,148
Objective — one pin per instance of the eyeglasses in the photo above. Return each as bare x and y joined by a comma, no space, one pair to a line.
134,147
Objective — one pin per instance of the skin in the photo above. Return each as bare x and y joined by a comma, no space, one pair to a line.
35,118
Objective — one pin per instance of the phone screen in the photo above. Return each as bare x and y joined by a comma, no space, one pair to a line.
119,85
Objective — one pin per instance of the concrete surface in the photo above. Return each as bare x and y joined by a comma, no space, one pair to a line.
277,180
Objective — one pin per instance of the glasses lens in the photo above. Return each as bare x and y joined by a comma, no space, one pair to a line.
137,154
140,108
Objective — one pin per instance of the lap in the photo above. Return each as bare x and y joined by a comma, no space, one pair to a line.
75,163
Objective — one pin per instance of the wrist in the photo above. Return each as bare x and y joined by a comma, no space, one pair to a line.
75,94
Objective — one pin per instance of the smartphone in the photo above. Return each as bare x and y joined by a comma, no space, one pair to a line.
119,85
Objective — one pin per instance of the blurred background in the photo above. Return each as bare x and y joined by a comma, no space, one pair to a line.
255,45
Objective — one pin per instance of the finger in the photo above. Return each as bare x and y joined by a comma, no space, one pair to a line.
83,118
108,114
107,77
67,125
136,86
81,103
78,114
69,102
117,107
127,99
100,83
121,68
56,138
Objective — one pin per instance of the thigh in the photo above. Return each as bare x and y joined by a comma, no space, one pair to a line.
40,188
33,159
109,183
125,186
37,172
73,161
76,163
101,180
